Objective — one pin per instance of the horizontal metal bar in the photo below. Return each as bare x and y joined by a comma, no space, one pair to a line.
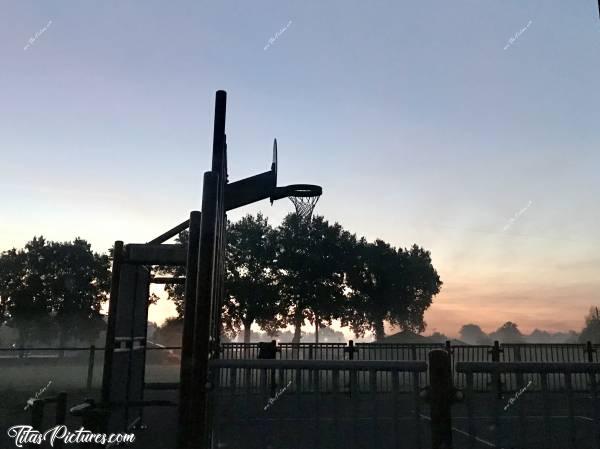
527,367
345,365
160,347
84,348
155,254
167,280
150,403
171,232
161,385
17,349
301,345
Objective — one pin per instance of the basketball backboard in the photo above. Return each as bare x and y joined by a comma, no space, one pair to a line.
274,164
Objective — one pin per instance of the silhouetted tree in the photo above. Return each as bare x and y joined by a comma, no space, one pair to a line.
169,333
25,292
508,333
176,292
52,284
542,336
389,285
438,337
310,262
251,283
472,334
79,282
251,293
591,331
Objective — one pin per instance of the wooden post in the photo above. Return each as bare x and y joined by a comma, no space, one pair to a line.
112,319
441,399
189,322
199,435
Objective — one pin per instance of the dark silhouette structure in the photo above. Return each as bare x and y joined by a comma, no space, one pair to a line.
123,383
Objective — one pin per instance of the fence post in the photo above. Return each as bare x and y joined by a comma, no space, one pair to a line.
520,378
37,414
496,358
61,408
440,379
590,351
273,355
61,415
311,373
90,373
351,349
450,351
37,418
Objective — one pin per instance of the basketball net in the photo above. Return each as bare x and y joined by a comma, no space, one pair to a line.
304,206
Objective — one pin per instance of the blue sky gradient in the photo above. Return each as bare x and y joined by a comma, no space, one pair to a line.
416,121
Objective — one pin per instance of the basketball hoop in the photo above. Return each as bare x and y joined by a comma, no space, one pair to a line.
304,197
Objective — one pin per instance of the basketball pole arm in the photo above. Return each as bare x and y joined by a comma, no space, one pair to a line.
249,190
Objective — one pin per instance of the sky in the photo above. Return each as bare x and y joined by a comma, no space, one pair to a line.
468,127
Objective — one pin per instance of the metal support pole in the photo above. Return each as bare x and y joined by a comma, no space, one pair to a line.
187,341
112,319
170,233
441,399
199,436
218,155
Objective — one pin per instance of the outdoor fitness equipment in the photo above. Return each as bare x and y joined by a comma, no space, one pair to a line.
123,381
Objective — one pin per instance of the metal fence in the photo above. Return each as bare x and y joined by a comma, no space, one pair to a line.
367,394
409,352
71,367
89,360
318,404
75,366
540,415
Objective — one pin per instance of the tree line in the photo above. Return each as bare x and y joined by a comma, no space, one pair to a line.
317,272
509,333
53,291
275,277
